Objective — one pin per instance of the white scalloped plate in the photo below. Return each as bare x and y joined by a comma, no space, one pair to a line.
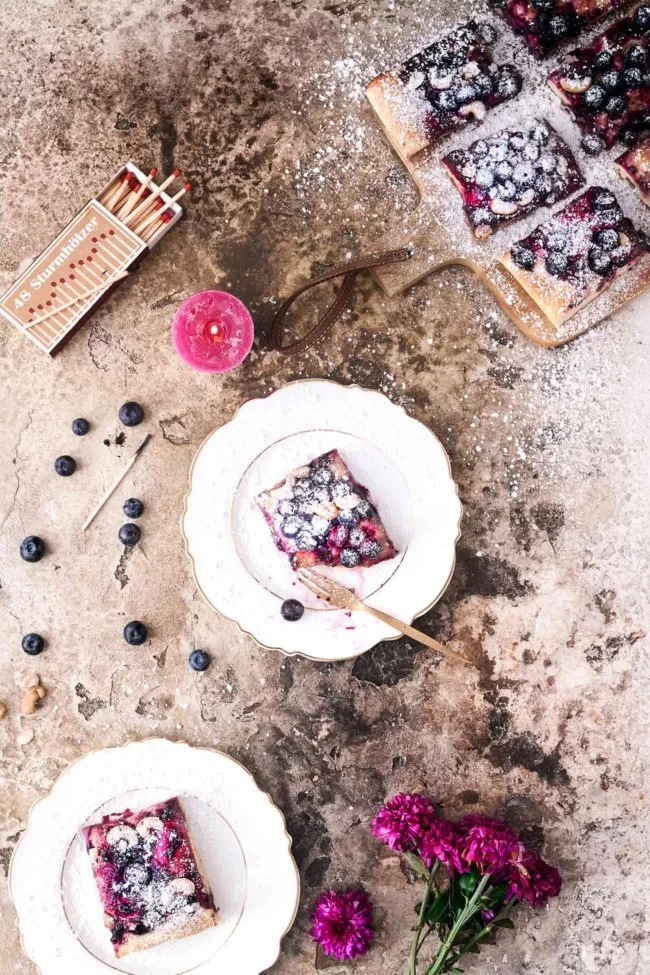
239,835
236,564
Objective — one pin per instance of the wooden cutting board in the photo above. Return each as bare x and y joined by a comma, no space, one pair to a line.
440,236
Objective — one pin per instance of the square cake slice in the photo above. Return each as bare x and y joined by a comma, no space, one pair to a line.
543,24
510,174
320,515
571,258
606,85
451,82
634,165
148,877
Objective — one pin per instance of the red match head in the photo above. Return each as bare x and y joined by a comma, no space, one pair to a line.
187,187
177,173
72,265
153,172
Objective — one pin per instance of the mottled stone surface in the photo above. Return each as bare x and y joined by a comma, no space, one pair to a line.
258,101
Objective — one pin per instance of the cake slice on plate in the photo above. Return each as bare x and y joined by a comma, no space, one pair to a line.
634,165
320,514
450,83
571,258
505,176
148,877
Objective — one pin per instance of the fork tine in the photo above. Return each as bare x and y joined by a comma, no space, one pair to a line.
308,579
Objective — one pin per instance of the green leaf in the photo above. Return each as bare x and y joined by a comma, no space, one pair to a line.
505,922
437,909
457,971
416,865
468,882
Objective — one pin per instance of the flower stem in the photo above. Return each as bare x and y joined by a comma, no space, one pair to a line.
424,906
439,963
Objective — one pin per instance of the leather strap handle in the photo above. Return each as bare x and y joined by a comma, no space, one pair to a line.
348,271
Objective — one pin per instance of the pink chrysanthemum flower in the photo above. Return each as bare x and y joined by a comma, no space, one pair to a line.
342,923
533,880
444,841
493,848
403,820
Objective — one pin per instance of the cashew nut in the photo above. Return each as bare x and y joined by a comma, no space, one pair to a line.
503,207
182,886
575,86
31,699
122,834
148,825
477,109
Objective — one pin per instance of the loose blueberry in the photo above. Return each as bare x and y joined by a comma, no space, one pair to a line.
33,644
131,414
557,239
592,144
199,660
364,509
615,106
350,558
602,61
523,256
133,508
32,548
129,534
557,263
611,217
559,26
612,81
65,465
594,98
632,78
370,549
642,18
80,427
135,633
599,261
606,239
636,57
292,610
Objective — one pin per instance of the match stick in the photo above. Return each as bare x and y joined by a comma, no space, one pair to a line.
79,297
118,192
155,227
118,480
156,215
134,197
152,199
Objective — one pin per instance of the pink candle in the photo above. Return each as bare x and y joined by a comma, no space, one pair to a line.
212,331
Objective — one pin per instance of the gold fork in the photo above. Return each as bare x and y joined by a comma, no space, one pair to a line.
343,598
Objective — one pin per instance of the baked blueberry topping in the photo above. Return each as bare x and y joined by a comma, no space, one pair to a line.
636,57
480,147
594,98
632,78
557,263
322,475
199,660
133,508
612,81
32,548
447,101
292,610
129,534
135,633
628,135
484,177
603,61
306,541
350,557
642,18
607,239
369,548
364,509
338,535
508,82
523,256
131,414
65,465
350,517
592,144
543,185
615,106
602,199
291,526
356,537
33,644
80,427
599,261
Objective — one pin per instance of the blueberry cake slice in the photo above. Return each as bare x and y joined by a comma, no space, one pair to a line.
319,514
607,84
512,173
148,877
545,23
571,258
634,165
451,82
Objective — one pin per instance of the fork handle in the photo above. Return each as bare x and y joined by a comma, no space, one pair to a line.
417,635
